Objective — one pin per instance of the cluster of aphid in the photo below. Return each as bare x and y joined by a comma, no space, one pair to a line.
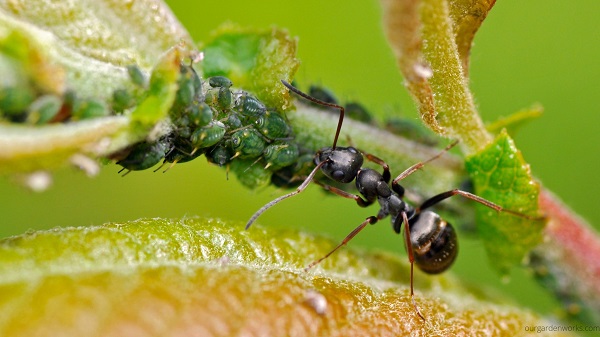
209,117
23,103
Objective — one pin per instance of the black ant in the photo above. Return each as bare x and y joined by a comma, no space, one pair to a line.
431,242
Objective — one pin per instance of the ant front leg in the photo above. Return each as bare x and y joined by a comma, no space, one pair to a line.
386,168
359,201
370,220
419,165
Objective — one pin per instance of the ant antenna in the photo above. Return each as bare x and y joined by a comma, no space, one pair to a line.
318,101
283,197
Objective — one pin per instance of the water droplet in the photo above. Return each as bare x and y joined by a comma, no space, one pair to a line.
423,70
38,181
316,301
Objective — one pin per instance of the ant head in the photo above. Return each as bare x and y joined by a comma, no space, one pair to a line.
341,164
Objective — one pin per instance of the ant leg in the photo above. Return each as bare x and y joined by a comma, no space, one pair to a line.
283,197
386,168
359,201
370,220
445,195
419,165
411,259
312,99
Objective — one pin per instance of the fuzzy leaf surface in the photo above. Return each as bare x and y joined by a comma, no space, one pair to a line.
174,277
256,60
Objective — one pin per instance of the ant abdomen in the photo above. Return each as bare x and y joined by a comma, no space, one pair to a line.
434,242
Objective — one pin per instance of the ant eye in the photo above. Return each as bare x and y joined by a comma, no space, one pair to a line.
337,175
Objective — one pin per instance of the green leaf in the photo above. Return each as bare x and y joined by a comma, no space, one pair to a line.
422,36
255,60
467,15
26,148
170,277
79,51
500,174
94,40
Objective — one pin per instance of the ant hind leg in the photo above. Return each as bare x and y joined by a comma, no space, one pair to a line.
445,195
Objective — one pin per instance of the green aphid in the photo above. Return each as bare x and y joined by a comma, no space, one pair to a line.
293,175
322,94
220,82
250,174
86,109
247,143
358,112
273,126
225,98
207,136
44,109
189,85
122,100
185,133
219,98
178,156
219,154
411,130
136,75
250,107
233,122
279,155
199,114
181,151
144,155
14,101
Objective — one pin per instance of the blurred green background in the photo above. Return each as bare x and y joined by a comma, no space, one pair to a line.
526,52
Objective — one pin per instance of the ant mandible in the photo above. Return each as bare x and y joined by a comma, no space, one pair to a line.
431,242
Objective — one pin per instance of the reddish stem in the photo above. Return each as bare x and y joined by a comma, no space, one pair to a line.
571,255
